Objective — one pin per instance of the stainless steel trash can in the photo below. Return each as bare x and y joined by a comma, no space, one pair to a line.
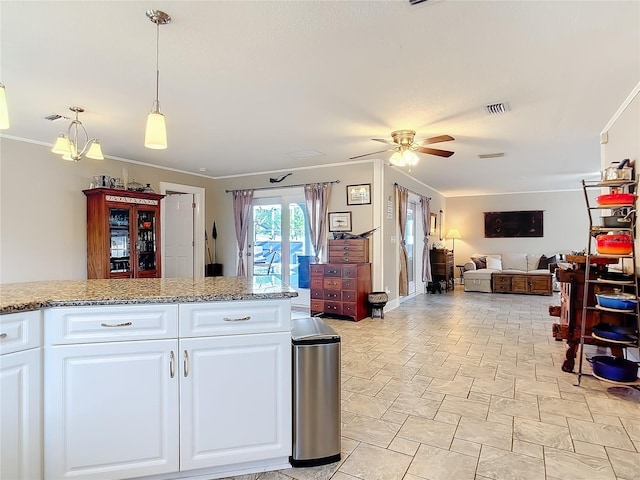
316,393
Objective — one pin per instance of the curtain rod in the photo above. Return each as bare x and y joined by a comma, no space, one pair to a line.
415,193
277,186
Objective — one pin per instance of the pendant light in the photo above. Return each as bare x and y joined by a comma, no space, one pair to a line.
156,132
4,111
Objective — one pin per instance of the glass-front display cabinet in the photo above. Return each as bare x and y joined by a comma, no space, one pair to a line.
123,234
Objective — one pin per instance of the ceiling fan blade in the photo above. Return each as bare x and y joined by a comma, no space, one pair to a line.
390,142
438,139
367,154
435,151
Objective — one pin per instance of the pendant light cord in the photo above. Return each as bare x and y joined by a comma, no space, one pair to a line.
157,105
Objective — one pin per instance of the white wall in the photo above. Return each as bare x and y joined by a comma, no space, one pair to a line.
565,227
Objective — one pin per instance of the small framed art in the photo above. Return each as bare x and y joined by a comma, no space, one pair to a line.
359,194
339,221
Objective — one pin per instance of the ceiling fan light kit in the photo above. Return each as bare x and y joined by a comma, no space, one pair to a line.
404,148
156,130
68,146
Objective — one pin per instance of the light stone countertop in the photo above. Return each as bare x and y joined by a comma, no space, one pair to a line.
21,297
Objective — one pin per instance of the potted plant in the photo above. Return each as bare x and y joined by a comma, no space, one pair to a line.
213,268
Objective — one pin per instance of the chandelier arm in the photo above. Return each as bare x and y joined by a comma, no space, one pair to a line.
73,140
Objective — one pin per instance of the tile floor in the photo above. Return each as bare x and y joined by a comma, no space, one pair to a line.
464,386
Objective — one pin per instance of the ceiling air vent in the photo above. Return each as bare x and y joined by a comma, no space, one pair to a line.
415,2
491,155
497,108
52,117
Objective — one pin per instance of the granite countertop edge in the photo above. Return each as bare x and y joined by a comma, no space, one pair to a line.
16,298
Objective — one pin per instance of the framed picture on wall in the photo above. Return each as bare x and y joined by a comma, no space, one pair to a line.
433,225
359,194
339,221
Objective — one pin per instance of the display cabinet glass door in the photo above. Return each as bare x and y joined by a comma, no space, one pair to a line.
120,240
146,247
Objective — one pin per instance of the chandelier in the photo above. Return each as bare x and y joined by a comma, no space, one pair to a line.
68,146
404,156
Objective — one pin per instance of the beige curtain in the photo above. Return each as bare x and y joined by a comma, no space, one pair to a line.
316,197
242,200
426,226
403,200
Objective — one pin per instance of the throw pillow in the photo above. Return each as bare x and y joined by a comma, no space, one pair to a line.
494,263
481,262
544,262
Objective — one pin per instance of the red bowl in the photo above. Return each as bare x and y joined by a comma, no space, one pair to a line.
621,244
616,199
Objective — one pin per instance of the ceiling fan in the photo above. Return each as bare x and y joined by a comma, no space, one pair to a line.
404,147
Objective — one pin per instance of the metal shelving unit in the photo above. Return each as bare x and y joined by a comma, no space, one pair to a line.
628,285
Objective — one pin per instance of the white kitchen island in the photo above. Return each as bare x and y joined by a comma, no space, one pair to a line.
157,378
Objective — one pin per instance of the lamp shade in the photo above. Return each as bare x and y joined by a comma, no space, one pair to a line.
61,147
156,133
4,111
453,234
95,151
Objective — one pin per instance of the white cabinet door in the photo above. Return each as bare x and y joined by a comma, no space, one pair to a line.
111,410
20,417
235,399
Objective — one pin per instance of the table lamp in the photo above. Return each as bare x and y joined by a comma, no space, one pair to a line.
453,234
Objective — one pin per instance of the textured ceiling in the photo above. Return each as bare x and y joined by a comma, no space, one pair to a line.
244,85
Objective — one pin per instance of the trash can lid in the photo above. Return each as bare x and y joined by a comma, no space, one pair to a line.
311,328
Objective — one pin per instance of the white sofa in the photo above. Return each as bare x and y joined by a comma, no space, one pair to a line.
478,277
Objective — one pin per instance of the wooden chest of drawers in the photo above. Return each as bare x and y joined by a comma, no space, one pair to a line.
340,289
353,250
442,266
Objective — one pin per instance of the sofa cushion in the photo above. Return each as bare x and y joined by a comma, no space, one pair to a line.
533,259
493,262
514,261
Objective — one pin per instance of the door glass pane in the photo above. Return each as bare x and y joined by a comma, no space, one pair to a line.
267,240
119,240
299,258
409,238
146,240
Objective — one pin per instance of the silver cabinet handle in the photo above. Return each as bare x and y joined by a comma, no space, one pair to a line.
172,364
186,363
241,319
3,335
112,325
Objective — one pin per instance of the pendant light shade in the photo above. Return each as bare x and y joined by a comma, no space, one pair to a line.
155,136
95,151
4,111
61,147
156,133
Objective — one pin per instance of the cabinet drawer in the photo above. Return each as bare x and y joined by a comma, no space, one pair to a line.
347,257
20,331
317,305
317,294
316,282
317,269
332,283
349,283
113,323
234,318
349,295
333,307
349,309
332,295
350,271
499,280
332,271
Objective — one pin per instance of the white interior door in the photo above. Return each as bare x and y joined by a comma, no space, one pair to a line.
179,244
410,243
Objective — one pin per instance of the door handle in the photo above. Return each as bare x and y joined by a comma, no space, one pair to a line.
172,364
186,364
115,325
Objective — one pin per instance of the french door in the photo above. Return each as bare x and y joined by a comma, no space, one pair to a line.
279,246
413,238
